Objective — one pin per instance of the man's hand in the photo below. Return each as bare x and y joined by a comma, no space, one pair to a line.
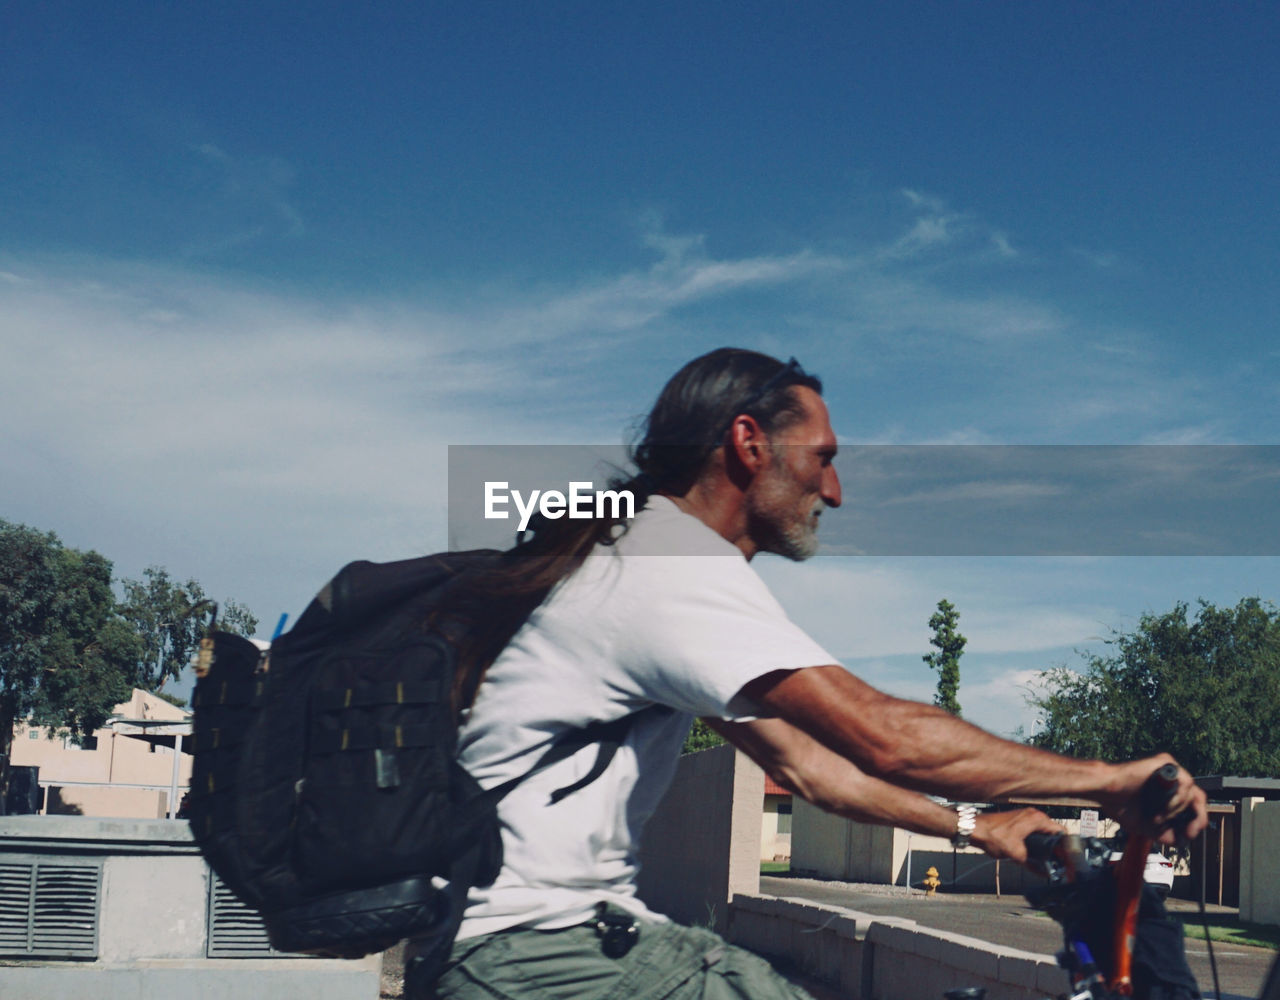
1123,800
1002,834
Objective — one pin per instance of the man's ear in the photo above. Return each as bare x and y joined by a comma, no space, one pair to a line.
748,444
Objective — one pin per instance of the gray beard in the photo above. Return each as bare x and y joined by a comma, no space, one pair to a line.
796,542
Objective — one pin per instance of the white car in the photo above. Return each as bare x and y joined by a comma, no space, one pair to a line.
1158,871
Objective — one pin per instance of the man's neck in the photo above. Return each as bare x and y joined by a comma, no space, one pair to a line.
721,508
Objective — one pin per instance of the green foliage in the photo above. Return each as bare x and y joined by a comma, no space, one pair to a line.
701,737
1206,690
69,652
65,652
166,617
29,567
946,661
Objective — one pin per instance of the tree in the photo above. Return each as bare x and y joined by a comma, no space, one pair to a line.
65,652
166,617
701,737
950,645
1206,690
69,652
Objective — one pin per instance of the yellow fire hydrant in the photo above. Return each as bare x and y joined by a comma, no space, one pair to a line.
931,881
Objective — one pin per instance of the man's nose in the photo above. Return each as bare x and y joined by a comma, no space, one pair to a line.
831,494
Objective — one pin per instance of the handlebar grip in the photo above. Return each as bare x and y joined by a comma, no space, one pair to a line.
1156,793
1157,790
1041,846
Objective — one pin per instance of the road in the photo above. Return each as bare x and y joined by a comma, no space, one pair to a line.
1009,921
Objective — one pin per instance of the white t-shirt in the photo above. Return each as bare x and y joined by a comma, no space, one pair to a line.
687,628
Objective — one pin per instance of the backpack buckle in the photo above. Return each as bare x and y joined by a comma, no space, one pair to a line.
618,932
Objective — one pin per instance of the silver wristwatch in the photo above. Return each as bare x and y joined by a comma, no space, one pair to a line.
966,820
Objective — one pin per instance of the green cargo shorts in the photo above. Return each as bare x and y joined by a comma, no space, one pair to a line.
668,962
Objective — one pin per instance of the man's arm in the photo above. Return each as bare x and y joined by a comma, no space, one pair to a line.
922,747
804,766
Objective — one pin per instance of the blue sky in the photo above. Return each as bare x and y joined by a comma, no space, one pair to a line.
260,264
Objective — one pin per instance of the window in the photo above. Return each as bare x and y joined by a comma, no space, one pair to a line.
87,743
784,817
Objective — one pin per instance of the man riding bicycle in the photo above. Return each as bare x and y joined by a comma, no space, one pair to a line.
662,619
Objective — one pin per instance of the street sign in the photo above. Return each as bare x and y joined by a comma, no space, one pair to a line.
1088,822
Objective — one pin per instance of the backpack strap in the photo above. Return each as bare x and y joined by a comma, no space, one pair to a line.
430,951
610,736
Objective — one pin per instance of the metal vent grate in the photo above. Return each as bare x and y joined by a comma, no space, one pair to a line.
49,909
235,929
15,908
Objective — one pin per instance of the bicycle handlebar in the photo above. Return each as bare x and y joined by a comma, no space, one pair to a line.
1040,846
1157,790
1153,797
1064,856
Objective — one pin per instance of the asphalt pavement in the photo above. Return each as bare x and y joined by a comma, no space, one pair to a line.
1007,920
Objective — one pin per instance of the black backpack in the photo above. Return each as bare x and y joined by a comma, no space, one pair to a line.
325,791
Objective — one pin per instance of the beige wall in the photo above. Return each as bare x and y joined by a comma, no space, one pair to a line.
119,760
837,848
702,844
1259,861
106,801
774,846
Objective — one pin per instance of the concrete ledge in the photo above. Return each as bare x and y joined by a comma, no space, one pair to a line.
1019,969
864,957
838,919
228,979
96,835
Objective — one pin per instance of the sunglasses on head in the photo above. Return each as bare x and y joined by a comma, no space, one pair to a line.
790,369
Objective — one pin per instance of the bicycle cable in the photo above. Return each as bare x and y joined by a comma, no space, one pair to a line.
1208,943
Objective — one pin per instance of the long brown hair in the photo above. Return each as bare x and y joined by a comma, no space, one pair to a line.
687,424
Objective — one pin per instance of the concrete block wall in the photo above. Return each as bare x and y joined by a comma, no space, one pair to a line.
834,847
702,844
1259,862
856,956
823,944
701,866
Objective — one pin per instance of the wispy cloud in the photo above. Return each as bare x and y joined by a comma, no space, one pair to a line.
248,420
1102,260
633,300
934,227
244,199
1002,245
228,417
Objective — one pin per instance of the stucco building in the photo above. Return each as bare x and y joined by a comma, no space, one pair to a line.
133,766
